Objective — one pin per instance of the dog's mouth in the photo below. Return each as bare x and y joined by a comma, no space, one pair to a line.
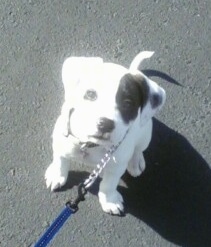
85,144
97,140
100,136
88,145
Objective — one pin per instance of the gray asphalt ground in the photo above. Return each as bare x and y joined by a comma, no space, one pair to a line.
170,204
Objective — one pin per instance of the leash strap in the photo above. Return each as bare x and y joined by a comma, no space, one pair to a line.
54,227
70,208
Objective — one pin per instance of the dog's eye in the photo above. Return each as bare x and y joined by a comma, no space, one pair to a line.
90,95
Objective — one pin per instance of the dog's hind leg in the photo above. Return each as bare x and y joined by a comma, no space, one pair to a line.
137,163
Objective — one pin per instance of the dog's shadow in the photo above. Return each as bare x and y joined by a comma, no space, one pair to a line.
173,195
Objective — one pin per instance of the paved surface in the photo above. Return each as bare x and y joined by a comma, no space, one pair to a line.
170,204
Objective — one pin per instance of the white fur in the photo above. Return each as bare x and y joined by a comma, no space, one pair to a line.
80,74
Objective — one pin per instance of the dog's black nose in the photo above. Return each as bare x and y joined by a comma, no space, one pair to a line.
105,125
155,100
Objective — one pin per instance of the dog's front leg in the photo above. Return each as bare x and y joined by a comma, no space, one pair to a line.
110,199
57,172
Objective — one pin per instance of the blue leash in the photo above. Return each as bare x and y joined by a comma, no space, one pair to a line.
54,227
71,207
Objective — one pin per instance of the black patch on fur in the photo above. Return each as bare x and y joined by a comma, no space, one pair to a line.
132,94
155,100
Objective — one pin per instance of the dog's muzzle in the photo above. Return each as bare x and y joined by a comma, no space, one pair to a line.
83,145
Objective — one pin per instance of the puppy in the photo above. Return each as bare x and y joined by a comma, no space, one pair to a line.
102,102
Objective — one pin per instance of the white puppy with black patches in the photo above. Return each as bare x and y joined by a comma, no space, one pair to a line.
102,102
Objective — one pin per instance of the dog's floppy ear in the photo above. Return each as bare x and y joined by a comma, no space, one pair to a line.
75,68
135,65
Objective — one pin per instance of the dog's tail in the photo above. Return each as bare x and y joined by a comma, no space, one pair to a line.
139,59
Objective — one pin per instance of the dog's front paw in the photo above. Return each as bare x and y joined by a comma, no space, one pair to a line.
112,203
54,177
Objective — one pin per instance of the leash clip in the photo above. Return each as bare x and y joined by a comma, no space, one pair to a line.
73,204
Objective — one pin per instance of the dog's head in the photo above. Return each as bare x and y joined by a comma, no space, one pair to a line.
105,99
